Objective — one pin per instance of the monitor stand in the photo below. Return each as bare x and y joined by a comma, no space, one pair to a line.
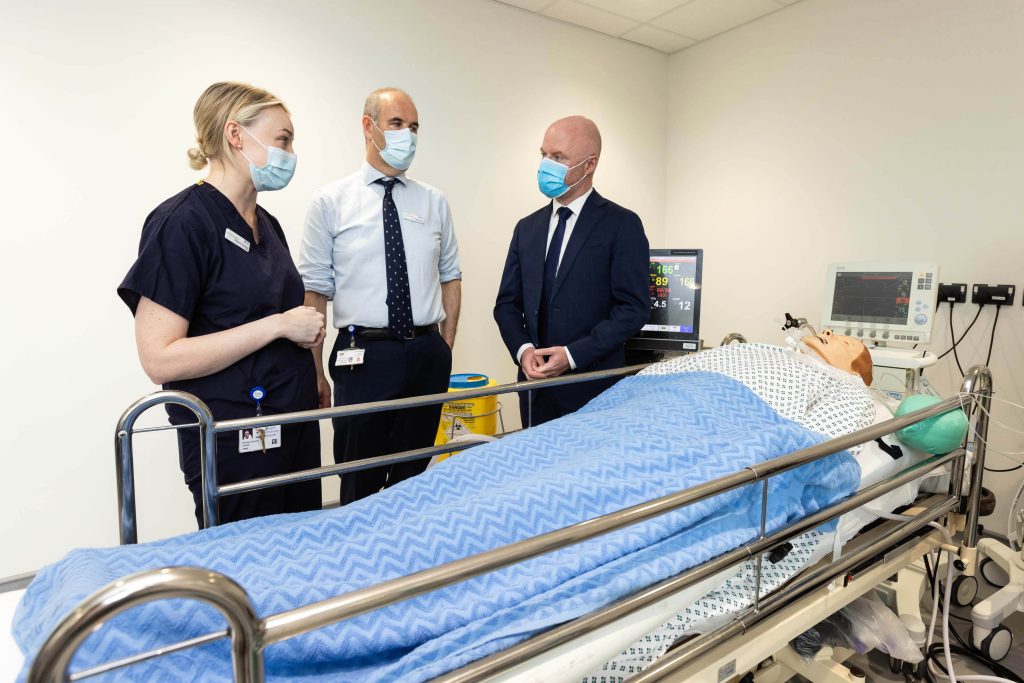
639,351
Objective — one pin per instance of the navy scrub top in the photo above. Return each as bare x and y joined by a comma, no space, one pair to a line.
187,265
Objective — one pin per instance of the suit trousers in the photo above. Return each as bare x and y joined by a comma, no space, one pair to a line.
391,369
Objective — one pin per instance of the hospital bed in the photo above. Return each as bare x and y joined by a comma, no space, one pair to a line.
571,649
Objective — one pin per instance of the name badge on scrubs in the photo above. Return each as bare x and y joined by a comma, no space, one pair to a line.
236,239
413,217
259,439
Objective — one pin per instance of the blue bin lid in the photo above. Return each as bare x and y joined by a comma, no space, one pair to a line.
468,380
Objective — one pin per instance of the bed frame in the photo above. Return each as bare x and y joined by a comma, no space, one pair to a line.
832,584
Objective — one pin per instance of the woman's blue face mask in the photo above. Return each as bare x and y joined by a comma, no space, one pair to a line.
278,170
551,177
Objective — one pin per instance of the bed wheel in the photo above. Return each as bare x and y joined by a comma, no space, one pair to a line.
965,590
993,574
996,645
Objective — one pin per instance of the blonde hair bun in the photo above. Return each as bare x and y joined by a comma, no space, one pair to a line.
220,103
196,158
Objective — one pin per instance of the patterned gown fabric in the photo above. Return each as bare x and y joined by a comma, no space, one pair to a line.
646,437
819,397
710,611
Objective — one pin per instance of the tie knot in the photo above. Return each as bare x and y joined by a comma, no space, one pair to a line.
564,212
388,183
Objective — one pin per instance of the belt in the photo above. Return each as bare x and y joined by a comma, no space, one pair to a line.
385,333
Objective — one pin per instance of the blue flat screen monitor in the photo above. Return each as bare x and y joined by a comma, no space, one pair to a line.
674,289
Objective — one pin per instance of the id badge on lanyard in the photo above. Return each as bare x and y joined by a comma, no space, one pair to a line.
259,438
353,355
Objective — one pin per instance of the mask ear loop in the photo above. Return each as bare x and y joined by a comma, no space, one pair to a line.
577,166
382,133
257,142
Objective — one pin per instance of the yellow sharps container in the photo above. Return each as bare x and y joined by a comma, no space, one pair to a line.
467,416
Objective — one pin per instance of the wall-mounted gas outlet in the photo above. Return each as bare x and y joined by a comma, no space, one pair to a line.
997,295
955,292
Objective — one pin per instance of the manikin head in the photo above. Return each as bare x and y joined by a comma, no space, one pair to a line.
845,353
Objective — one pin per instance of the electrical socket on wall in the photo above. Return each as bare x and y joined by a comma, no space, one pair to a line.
956,292
997,295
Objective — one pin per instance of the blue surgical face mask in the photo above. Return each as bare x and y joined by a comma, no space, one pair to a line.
551,177
277,172
399,147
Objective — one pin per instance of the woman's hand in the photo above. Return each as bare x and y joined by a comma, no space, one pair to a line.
303,325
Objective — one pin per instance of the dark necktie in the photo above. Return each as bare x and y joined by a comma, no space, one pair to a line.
551,270
399,300
555,250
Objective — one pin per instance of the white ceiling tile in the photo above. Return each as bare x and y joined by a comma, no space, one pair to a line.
702,19
641,10
659,39
589,17
532,5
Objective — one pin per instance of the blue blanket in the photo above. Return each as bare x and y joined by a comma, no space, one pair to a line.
645,437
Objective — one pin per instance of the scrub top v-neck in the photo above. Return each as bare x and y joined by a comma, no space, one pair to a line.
199,258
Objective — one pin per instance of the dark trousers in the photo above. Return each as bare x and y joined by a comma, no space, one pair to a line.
391,369
537,407
299,450
543,405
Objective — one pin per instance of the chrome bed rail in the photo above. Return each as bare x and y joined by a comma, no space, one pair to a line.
209,428
253,635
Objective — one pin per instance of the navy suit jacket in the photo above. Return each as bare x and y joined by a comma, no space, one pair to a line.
600,298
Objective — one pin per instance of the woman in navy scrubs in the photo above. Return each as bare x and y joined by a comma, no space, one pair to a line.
218,303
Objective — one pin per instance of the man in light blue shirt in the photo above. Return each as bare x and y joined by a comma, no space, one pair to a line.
381,246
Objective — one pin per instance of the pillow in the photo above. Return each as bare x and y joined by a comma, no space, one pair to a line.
939,434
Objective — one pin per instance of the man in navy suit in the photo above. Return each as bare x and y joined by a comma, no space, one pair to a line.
574,287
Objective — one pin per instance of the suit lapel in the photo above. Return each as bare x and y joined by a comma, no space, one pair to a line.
593,210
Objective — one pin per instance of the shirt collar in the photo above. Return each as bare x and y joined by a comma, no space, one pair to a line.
371,175
575,205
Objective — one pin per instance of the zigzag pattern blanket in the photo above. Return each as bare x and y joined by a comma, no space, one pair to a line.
643,438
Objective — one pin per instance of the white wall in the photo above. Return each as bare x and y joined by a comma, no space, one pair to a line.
837,130
97,104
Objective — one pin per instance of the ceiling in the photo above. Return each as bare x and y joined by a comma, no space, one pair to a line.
665,25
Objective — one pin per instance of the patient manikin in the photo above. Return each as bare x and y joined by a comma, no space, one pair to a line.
841,352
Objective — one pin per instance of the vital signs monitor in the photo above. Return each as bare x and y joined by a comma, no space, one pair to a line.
888,303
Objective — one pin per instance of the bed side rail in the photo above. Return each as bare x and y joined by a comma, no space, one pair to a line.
52,661
209,428
275,628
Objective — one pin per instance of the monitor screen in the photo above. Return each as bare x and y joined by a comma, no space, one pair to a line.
674,287
872,297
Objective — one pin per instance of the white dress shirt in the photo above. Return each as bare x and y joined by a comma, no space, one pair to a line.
342,253
575,206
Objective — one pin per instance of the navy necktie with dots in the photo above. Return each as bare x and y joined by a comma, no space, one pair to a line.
399,300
